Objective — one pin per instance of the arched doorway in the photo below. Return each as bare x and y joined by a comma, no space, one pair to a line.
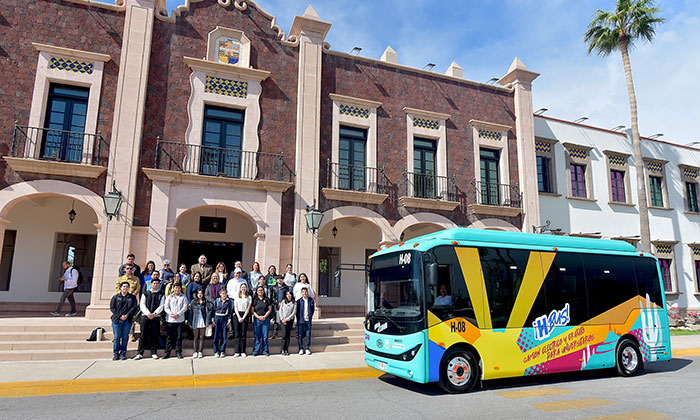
221,233
355,239
419,229
39,235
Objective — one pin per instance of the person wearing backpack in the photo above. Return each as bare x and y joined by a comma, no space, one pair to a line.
70,283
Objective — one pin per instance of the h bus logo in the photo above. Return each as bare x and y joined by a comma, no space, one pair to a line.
544,325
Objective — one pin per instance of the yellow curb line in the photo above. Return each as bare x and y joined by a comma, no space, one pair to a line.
112,385
685,352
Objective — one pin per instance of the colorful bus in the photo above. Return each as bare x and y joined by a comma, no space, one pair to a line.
462,305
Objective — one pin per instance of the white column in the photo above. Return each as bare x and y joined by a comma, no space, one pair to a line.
170,246
3,225
260,251
124,149
272,238
520,79
310,31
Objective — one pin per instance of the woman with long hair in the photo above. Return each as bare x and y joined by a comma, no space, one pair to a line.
261,321
241,310
199,317
220,273
286,313
223,306
303,283
254,277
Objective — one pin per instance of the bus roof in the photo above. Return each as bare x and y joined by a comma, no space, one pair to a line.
482,237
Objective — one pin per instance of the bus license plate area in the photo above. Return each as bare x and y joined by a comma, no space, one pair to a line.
381,365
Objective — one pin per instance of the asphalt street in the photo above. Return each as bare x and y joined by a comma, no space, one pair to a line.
663,390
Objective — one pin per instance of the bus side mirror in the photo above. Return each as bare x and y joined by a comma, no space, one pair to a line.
432,274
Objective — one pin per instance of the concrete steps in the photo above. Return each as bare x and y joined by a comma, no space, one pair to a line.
60,338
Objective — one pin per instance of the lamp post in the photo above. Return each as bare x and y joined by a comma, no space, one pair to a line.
113,201
313,218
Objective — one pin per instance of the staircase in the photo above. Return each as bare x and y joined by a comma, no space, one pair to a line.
24,337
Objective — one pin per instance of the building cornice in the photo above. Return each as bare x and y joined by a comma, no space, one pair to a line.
354,101
426,114
118,6
226,69
490,125
70,52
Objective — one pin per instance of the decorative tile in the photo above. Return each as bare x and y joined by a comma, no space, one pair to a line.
664,249
354,111
75,66
226,87
655,167
617,160
490,135
426,123
542,146
690,173
696,250
578,153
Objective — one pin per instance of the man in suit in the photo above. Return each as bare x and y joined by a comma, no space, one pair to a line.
203,268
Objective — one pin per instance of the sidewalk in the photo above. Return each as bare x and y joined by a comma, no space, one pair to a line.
39,378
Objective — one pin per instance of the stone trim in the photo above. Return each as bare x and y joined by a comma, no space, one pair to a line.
230,70
427,204
118,6
48,167
248,184
354,196
70,52
439,134
489,125
162,14
354,101
426,114
494,210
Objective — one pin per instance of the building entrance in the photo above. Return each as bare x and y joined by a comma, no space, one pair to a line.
228,252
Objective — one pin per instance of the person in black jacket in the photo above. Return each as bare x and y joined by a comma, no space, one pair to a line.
151,305
123,306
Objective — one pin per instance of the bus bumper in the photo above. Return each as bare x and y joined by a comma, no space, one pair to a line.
404,356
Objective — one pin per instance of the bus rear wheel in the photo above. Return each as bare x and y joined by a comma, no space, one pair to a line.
459,371
629,359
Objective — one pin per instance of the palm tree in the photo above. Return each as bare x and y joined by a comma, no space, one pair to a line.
631,20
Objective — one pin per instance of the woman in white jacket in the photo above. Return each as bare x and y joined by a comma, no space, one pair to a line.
302,283
175,308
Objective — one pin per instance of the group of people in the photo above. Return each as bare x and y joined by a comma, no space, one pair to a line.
209,302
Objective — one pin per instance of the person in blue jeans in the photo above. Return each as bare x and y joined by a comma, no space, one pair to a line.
305,312
261,321
223,308
123,307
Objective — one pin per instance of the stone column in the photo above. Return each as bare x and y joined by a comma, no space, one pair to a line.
260,251
519,78
158,222
3,225
310,31
273,213
125,147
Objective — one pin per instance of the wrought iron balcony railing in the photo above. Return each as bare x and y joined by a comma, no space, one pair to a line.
221,161
58,145
342,176
494,194
429,186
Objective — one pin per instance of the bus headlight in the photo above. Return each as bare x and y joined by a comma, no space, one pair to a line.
410,354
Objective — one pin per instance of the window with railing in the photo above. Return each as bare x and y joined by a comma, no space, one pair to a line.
424,177
665,265
488,161
66,112
656,195
351,165
222,138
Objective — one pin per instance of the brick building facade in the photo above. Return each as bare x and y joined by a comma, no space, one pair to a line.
220,129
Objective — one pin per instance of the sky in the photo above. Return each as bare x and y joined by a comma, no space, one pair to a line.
483,37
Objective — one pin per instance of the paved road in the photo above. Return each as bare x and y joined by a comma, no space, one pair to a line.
664,390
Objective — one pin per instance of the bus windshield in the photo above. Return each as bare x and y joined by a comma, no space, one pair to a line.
395,287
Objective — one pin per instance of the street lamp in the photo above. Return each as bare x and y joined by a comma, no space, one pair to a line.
72,213
313,218
113,201
540,111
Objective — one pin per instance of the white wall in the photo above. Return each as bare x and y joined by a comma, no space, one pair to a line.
354,237
37,221
613,220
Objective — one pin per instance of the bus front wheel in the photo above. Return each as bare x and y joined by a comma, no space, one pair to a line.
459,371
629,359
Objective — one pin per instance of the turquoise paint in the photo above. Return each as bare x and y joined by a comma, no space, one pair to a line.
398,344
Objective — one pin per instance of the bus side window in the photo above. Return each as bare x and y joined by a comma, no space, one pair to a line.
648,279
609,280
503,274
565,283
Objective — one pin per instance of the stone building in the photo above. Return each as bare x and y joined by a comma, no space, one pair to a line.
219,129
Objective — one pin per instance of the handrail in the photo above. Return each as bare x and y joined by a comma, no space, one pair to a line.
58,145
